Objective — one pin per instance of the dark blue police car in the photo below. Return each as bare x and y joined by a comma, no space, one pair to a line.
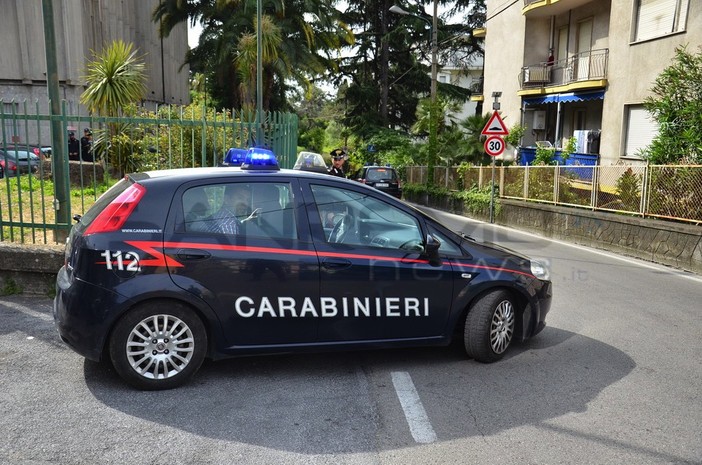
170,267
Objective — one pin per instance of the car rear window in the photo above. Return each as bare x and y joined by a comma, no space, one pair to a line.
381,174
103,201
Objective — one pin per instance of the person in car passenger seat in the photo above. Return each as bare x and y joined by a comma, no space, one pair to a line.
235,204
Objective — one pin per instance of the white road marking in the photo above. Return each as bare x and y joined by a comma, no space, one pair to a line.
416,416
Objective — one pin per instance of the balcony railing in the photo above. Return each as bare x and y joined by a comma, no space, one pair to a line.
586,66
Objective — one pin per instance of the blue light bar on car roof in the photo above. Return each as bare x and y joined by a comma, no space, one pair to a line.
260,159
235,157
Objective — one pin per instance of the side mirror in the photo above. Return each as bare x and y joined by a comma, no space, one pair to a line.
431,249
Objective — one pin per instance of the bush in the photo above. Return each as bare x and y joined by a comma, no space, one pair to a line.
629,190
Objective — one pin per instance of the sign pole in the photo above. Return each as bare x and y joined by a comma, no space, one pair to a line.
492,193
494,145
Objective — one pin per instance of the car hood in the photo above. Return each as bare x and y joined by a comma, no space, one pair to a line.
498,251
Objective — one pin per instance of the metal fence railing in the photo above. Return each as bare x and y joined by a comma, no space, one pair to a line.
585,66
660,191
166,137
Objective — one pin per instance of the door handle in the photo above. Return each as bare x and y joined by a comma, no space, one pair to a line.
336,264
193,254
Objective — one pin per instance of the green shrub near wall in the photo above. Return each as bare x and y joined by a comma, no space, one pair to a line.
474,201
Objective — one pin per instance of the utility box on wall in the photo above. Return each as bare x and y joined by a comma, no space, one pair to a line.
539,123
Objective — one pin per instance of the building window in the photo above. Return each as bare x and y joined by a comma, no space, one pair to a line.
640,130
657,18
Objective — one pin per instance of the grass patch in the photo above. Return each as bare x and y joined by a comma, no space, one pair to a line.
27,205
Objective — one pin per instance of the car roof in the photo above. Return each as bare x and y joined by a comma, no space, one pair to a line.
190,174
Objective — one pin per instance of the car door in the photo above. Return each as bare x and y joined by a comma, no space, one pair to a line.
258,280
374,282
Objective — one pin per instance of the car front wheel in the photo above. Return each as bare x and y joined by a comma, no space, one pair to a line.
158,345
489,326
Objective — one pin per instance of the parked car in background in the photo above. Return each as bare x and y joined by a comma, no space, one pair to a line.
383,178
310,161
16,161
41,151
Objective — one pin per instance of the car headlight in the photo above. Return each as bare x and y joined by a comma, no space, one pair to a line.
540,270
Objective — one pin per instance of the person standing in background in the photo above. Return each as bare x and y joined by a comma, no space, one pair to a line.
73,147
86,145
338,157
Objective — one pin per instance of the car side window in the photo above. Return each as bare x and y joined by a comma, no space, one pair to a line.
217,208
245,209
196,209
350,217
272,213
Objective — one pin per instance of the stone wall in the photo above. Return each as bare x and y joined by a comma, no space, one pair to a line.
29,269
80,173
666,242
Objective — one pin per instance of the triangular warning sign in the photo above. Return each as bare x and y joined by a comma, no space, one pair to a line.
495,126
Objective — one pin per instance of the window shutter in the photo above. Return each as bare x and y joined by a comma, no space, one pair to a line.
659,17
640,131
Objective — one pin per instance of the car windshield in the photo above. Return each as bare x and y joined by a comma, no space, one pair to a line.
381,174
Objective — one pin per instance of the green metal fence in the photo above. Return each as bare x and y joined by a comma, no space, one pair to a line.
140,140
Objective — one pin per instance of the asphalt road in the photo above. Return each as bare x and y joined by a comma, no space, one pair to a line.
614,379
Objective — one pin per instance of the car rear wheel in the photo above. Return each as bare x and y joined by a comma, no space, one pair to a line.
158,345
489,326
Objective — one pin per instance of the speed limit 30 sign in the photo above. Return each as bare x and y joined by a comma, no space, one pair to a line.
494,146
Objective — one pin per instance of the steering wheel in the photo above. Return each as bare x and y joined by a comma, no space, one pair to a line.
341,228
413,245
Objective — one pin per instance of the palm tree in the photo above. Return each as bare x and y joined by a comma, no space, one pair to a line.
246,60
472,146
116,80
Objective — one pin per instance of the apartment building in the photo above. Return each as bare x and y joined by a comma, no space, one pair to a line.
582,68
468,77
81,27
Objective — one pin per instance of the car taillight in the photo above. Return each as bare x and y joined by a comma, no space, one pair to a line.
36,151
116,213
11,166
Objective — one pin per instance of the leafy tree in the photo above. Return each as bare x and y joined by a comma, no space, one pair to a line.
299,37
315,111
676,105
388,71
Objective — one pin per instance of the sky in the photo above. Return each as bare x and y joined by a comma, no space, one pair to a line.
193,34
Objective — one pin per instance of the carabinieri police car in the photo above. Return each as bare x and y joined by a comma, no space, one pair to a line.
170,267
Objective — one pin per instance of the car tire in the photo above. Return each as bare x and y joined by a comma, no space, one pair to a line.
158,345
489,326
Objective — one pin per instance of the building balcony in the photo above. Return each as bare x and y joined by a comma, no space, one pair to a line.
584,70
545,8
